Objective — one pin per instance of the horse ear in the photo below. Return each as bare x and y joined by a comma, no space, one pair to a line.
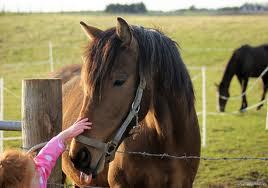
123,31
91,32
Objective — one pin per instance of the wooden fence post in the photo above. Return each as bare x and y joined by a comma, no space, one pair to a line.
42,116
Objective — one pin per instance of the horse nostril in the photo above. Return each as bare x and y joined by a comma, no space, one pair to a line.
83,159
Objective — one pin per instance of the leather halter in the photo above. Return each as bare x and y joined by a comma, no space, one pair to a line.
109,148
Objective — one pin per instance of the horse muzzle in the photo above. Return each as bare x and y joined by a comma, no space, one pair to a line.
87,163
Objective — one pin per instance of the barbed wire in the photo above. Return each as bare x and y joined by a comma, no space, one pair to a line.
70,185
165,155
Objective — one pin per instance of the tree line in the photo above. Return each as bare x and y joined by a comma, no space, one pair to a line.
140,8
137,8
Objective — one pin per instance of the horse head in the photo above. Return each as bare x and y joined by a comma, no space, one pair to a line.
113,100
223,94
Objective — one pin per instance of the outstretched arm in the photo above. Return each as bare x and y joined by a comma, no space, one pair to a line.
48,155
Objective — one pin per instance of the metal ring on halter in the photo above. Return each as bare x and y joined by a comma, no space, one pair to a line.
135,110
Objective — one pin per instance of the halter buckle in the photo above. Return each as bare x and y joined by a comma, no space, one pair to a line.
110,151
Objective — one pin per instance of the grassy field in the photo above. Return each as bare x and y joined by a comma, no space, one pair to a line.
204,41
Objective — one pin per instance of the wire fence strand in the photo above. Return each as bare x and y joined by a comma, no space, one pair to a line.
70,185
12,93
165,155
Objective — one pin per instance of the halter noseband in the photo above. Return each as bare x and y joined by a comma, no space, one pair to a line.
110,147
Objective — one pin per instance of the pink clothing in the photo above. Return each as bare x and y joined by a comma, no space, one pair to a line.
47,157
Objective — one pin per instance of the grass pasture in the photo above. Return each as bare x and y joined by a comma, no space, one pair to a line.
204,41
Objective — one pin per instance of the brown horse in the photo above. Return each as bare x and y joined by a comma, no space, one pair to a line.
67,72
132,75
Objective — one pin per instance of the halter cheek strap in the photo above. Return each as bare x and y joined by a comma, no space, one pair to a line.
110,147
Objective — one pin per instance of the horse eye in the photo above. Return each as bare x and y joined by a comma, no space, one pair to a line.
119,82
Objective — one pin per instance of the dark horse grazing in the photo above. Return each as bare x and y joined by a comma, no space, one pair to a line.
132,74
245,62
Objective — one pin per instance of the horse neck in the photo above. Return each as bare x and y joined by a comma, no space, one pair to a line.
229,72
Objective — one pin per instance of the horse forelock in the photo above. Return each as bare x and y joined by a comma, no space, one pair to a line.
99,58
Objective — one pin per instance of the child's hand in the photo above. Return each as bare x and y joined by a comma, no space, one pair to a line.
77,128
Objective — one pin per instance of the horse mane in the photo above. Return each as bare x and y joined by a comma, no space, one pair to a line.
159,61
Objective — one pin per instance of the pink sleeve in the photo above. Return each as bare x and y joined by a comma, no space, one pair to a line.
47,157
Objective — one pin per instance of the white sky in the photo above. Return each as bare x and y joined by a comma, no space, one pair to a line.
72,5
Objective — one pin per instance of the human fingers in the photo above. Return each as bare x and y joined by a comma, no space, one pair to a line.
84,127
78,119
76,125
84,124
76,132
87,127
82,120
78,128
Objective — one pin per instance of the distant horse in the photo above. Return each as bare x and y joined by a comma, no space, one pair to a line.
245,62
133,82
67,72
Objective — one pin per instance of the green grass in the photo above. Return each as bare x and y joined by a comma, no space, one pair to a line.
24,39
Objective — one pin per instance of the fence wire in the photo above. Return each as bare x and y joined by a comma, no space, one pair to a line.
70,185
168,156
183,157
